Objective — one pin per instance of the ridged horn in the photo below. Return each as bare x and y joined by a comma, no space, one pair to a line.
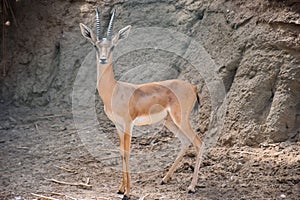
110,26
98,25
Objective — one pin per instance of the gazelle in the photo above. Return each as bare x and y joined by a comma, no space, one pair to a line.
128,105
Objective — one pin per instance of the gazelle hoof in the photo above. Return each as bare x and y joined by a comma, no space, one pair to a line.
191,190
164,181
120,192
125,197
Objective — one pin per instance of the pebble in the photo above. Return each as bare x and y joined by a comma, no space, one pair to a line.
283,196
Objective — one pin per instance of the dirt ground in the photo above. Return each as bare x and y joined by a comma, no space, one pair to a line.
37,146
256,46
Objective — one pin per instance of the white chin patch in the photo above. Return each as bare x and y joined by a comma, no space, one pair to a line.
103,62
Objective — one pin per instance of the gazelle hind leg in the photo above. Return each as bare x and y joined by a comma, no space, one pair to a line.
182,121
199,146
184,146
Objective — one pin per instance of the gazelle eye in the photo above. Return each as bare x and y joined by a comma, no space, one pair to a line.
96,47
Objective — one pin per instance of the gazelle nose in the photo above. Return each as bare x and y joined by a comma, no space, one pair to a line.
102,60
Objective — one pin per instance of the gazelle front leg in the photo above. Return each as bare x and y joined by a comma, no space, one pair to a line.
125,152
123,183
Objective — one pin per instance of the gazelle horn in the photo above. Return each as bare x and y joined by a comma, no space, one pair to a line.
98,25
110,26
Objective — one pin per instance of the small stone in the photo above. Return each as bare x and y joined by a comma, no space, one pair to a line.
264,145
283,196
252,74
283,145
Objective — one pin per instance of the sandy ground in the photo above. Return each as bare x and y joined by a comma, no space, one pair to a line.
37,146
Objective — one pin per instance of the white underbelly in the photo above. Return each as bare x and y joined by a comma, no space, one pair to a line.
150,119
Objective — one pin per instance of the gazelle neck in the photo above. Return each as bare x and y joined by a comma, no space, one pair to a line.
105,82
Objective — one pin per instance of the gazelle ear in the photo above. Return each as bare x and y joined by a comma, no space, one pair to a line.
123,34
88,33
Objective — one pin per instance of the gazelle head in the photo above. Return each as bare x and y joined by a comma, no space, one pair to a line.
104,46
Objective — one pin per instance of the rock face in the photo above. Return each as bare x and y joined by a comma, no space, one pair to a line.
255,44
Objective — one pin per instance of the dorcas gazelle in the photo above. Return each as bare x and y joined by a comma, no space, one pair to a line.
137,105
